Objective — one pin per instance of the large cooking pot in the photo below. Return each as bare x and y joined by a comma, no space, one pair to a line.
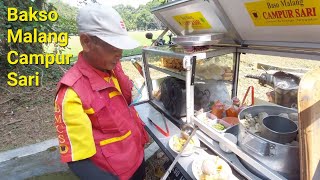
279,157
279,129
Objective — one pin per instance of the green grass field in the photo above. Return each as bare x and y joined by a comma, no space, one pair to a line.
140,36
74,46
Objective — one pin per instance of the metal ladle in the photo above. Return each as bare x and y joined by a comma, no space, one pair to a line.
187,131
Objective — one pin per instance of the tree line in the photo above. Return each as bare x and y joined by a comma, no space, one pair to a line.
135,19
140,18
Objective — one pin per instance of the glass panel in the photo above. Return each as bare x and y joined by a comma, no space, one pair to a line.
213,79
254,69
217,73
132,70
216,68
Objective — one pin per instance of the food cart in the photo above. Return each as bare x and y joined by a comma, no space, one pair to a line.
212,35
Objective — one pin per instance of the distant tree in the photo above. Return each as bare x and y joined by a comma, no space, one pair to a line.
128,14
140,18
156,23
67,17
26,48
144,18
65,23
86,1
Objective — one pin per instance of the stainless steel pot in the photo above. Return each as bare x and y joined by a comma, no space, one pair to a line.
279,129
199,40
279,157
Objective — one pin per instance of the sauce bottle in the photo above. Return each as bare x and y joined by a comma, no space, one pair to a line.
217,109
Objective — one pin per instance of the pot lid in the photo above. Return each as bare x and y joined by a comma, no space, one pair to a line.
199,40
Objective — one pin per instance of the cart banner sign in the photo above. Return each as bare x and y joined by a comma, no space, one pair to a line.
192,20
284,12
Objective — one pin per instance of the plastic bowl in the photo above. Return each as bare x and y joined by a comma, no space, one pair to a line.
230,137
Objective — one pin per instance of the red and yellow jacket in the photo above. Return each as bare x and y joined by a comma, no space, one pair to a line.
93,119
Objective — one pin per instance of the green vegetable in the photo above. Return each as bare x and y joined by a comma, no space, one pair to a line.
211,104
219,126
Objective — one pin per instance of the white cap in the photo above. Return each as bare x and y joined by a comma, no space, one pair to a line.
105,23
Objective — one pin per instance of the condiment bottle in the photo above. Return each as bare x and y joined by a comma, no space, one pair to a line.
137,66
217,109
234,109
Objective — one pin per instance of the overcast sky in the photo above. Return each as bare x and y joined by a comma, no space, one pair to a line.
134,3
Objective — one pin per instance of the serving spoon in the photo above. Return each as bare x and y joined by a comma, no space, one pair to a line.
187,132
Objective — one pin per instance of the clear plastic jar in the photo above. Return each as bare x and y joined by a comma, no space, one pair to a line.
234,109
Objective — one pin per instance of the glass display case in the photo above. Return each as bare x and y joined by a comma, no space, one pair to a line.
182,80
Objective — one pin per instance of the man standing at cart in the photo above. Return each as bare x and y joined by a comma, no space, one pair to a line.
100,135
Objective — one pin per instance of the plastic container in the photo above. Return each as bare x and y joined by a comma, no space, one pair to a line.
233,110
222,122
207,117
231,120
211,120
